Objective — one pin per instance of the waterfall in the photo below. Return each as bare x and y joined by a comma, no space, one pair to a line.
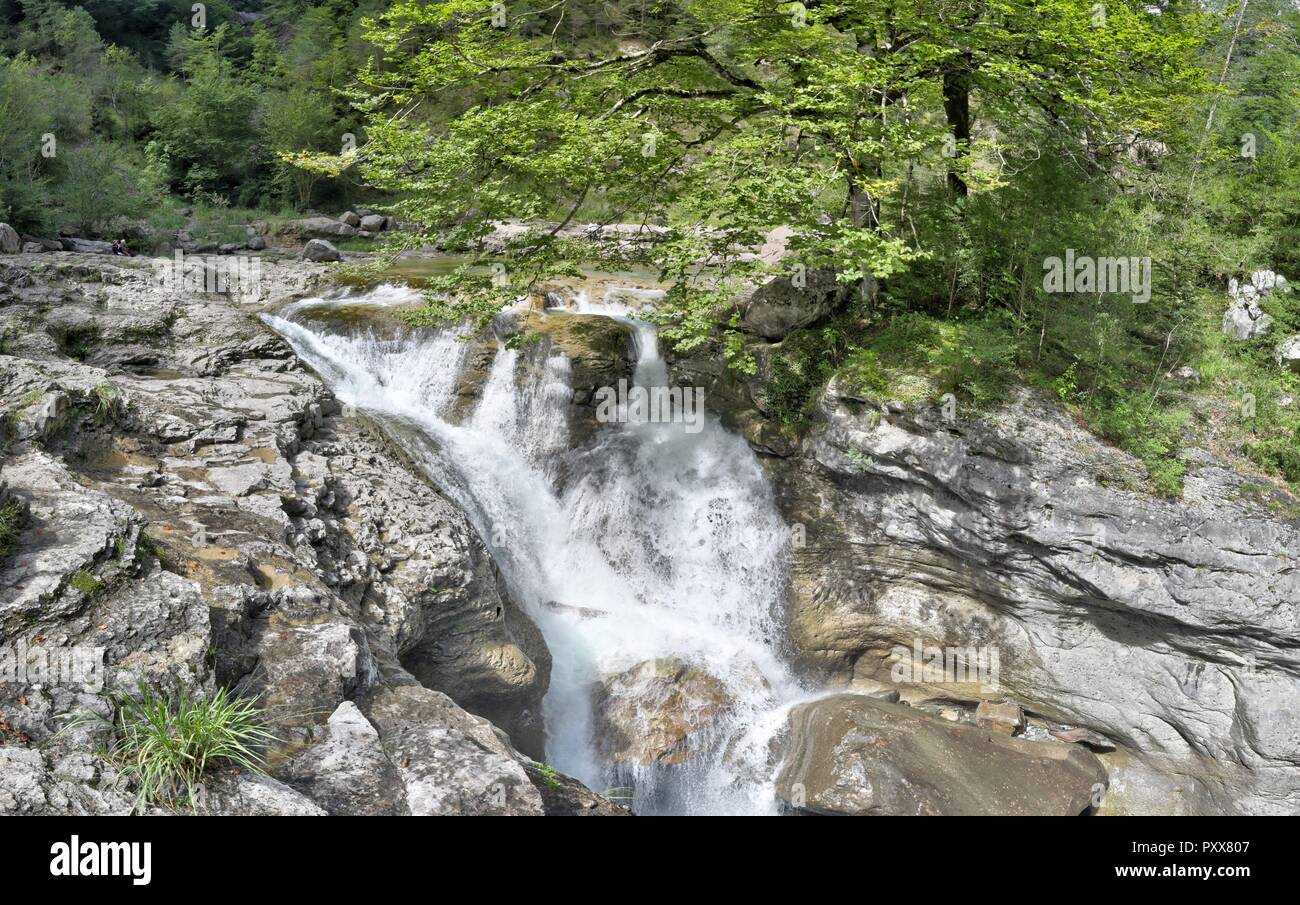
647,542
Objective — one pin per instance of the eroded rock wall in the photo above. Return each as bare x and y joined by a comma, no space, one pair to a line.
1169,627
196,504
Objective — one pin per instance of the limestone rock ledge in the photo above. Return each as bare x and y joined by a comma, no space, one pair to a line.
1168,630
195,503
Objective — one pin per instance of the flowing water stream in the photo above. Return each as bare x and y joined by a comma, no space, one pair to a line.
649,541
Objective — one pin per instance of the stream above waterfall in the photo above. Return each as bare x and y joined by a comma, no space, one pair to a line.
651,556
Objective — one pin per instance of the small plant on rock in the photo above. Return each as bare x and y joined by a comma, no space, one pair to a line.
551,777
165,744
105,398
85,582
12,518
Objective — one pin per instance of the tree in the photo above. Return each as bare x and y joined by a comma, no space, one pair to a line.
121,89
298,120
209,133
43,113
96,188
26,115
50,28
724,119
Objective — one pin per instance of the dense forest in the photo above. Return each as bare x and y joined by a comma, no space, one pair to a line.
934,156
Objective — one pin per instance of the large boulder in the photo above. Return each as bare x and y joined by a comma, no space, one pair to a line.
346,771
10,243
320,251
1287,354
564,796
254,795
853,754
789,302
373,223
86,246
1244,318
318,227
450,763
351,219
138,230
654,712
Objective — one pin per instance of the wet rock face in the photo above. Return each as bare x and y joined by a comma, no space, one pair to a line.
652,713
452,763
1169,627
852,754
433,595
197,507
598,352
599,349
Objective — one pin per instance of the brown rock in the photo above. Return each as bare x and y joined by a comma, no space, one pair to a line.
851,754
1000,716
650,713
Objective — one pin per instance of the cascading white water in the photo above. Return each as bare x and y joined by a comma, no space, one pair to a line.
656,542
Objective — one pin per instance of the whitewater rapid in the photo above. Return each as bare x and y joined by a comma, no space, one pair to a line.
649,541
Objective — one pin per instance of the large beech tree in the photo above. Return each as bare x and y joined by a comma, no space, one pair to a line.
724,119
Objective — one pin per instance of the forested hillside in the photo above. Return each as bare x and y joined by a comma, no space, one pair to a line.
146,113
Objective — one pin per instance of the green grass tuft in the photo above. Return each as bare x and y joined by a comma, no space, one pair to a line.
166,744
12,519
551,777
106,398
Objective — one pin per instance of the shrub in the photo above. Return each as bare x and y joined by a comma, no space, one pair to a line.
105,398
1138,426
1280,454
916,356
800,369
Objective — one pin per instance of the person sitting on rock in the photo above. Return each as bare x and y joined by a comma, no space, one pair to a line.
120,249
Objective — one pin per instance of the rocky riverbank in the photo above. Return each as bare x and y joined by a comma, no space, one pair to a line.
1160,634
193,501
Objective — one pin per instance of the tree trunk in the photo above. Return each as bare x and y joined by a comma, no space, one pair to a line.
956,104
